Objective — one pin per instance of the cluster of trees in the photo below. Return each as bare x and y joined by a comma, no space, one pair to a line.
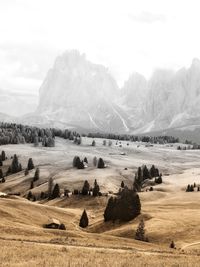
125,207
81,164
133,138
192,146
15,166
78,163
87,190
192,187
12,133
144,173
53,190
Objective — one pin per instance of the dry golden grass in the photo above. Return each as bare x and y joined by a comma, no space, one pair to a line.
18,254
169,212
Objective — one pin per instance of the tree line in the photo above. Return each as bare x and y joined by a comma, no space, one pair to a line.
135,138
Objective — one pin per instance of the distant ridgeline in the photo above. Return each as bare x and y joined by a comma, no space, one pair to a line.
11,133
147,139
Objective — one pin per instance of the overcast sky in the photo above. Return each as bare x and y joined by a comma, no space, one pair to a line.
126,36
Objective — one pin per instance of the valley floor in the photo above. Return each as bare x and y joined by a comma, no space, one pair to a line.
169,212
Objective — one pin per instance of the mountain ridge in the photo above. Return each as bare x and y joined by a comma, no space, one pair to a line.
77,93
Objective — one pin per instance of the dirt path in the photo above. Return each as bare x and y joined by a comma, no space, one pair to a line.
191,245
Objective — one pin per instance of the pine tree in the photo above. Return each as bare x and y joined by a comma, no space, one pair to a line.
172,245
30,164
76,161
95,161
3,155
122,184
37,175
56,191
84,220
188,188
100,164
81,165
108,213
93,143
96,189
1,174
50,187
15,166
86,188
146,174
140,232
85,160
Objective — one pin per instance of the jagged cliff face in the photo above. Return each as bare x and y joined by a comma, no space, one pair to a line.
172,99
79,93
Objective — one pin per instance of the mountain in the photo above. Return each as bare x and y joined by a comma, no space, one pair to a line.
81,94
132,100
172,99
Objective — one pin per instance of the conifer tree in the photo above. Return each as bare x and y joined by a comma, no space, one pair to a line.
108,213
81,165
140,232
86,188
15,166
100,164
85,160
84,220
1,174
56,191
122,184
37,175
30,165
96,189
95,161
50,187
172,245
3,155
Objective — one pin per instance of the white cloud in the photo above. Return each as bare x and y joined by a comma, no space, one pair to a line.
33,32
